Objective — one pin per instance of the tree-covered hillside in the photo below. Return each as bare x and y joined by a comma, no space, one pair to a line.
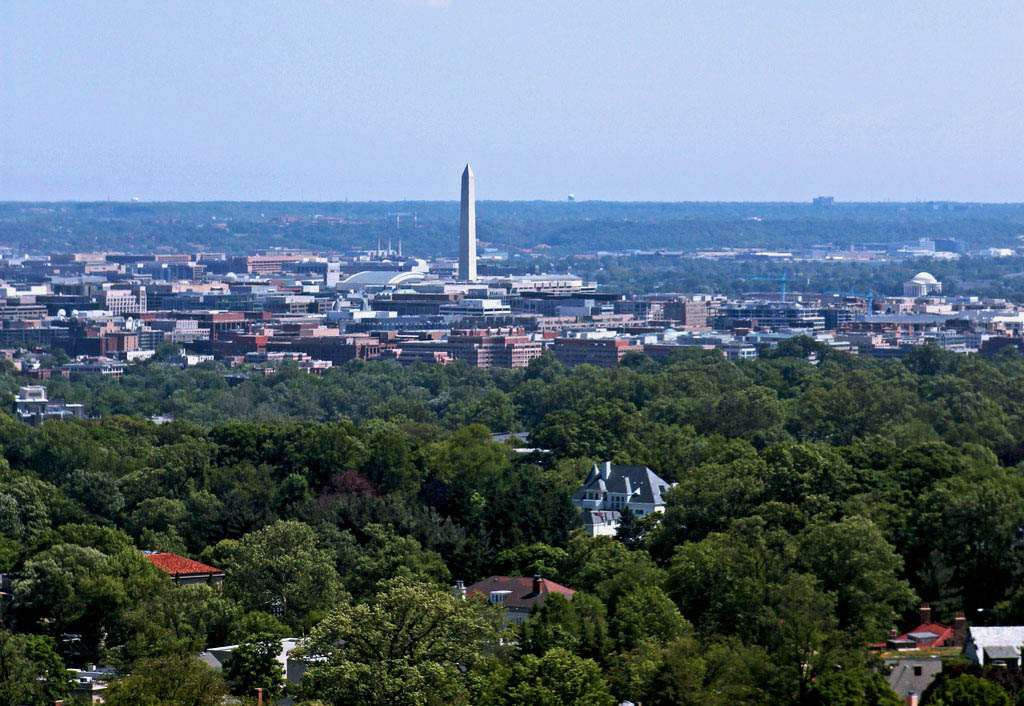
538,226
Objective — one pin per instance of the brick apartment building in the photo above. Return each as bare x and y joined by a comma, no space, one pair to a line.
238,344
600,352
336,349
480,348
692,314
488,349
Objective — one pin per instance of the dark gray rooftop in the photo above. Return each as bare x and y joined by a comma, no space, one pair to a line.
645,485
912,676
1001,652
601,517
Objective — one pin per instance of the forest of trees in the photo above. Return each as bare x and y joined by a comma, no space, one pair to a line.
967,276
538,226
817,504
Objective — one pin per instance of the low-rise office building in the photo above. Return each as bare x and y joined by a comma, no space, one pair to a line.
32,406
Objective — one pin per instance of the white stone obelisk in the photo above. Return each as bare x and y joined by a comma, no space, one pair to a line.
467,229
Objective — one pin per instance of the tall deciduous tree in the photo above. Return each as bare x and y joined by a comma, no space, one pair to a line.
386,555
80,590
31,671
854,562
253,665
965,690
407,646
176,680
558,678
281,567
578,624
646,613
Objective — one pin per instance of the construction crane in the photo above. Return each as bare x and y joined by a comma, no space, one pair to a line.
869,296
781,280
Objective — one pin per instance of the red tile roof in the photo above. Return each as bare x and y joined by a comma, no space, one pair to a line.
522,595
944,639
180,566
944,632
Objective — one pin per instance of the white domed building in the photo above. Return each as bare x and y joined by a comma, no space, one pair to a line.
922,285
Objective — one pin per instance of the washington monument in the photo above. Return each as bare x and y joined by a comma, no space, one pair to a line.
467,229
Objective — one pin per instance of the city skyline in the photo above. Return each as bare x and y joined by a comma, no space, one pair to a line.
718,402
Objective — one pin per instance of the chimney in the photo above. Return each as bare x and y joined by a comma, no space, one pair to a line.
259,696
912,700
606,470
959,630
460,590
537,583
926,613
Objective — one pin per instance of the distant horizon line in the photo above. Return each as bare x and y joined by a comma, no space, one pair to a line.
132,202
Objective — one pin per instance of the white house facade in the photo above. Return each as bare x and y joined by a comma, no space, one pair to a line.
995,645
610,489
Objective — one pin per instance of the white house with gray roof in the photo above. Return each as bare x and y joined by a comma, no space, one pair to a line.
995,645
609,489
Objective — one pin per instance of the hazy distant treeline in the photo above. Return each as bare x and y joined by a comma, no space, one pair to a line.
429,227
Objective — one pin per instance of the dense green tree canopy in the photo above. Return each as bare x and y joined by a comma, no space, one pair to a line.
408,645
175,680
815,505
31,671
253,664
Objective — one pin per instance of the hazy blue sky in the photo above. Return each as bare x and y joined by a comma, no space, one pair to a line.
631,100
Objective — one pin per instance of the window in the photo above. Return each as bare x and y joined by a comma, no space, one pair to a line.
917,671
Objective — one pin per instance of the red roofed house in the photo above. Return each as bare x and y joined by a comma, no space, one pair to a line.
516,594
184,571
930,634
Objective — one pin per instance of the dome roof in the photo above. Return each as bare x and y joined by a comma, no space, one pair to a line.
924,278
382,278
